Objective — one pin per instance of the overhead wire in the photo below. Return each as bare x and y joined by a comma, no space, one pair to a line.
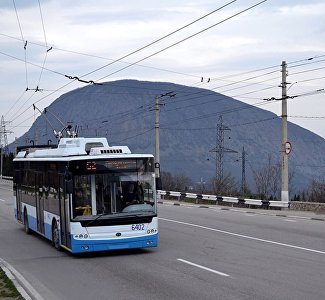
160,39
250,92
237,109
97,56
46,52
191,35
201,103
25,42
242,93
185,39
76,78
214,128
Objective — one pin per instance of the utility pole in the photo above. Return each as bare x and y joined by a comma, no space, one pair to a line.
284,154
157,137
3,141
243,171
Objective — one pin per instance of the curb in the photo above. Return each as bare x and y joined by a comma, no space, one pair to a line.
21,284
244,211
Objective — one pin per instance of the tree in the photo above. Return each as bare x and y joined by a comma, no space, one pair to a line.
8,167
267,180
316,191
178,182
225,187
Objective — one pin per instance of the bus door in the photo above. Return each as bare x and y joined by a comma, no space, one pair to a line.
40,194
18,193
64,213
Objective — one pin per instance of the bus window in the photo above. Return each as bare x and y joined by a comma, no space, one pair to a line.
82,196
103,194
111,193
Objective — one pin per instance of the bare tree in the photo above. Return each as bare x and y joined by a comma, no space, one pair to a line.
225,187
316,191
167,181
267,180
179,182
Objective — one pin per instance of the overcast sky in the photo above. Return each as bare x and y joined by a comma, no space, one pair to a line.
77,37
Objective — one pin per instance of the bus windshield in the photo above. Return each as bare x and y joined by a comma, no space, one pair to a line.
113,193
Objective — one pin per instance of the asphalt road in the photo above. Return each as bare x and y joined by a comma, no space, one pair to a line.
202,254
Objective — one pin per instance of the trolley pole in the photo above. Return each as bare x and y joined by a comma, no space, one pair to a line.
284,165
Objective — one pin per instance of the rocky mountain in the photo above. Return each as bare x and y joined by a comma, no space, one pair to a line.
123,111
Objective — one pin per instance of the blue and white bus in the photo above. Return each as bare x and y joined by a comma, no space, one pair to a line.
86,196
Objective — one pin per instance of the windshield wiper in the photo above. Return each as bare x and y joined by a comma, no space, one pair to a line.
97,218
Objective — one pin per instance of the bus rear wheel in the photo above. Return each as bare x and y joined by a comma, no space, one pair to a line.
56,237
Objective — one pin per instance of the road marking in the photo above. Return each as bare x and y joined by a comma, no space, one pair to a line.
2,200
245,236
202,267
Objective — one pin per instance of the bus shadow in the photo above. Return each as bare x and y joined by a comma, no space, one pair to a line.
113,253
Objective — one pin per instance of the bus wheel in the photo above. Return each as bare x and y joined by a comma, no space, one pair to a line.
56,237
26,224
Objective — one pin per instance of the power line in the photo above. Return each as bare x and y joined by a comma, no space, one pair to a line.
25,42
185,39
158,40
45,57
99,57
20,97
308,117
306,71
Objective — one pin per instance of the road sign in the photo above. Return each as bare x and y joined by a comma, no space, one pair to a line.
288,147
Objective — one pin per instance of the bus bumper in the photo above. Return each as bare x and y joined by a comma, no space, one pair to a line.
83,246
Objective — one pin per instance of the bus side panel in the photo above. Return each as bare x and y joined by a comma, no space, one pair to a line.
31,215
48,218
16,209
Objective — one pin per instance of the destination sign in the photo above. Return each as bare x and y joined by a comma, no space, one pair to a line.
112,165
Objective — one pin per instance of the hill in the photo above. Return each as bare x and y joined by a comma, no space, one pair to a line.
123,111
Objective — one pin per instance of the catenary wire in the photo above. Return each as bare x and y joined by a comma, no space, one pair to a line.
185,39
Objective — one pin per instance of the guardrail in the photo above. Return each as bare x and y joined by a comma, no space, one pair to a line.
257,202
6,177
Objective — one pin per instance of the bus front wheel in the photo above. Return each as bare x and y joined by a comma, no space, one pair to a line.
56,237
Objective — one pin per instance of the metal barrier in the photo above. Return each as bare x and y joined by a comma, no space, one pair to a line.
7,177
257,202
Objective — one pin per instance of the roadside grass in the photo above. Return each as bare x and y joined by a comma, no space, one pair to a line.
7,288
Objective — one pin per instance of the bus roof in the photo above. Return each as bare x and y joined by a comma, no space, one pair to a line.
76,149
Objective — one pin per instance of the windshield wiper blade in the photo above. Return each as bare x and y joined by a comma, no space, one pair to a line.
94,220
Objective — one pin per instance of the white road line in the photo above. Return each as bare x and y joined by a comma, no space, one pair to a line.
289,220
245,236
202,267
2,200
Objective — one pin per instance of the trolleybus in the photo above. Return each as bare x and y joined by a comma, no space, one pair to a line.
86,196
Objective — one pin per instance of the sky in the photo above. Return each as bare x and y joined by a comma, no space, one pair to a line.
236,50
